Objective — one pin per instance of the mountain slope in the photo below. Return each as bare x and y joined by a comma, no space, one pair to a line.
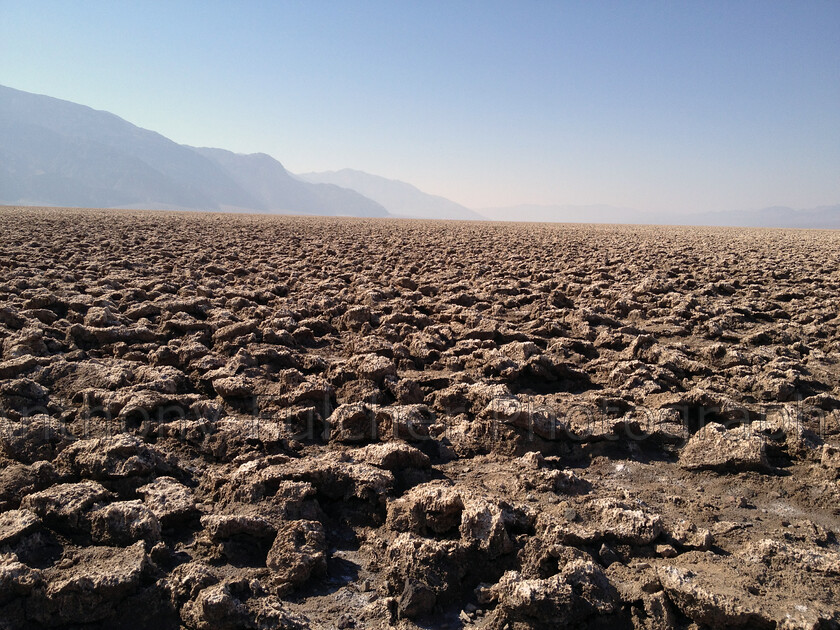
274,188
40,166
102,159
56,152
399,198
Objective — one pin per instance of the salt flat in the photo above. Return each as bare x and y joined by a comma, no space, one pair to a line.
258,421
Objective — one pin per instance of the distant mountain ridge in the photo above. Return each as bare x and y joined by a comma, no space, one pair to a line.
55,152
399,198
275,188
822,217
563,214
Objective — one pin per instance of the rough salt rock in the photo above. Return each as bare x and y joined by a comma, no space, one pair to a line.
17,523
615,520
778,554
532,460
722,605
416,598
355,318
100,317
483,527
298,552
233,605
19,480
360,390
425,348
319,326
407,391
182,323
232,331
830,459
207,410
22,395
14,368
635,581
687,534
224,526
406,422
88,584
394,456
142,309
314,391
120,457
186,580
627,522
451,400
148,406
422,571
43,315
16,579
233,387
659,611
354,422
375,368
123,523
520,350
541,421
32,438
716,448
785,427
195,306
566,600
169,500
10,316
549,480
215,607
237,435
480,395
331,477
66,505
766,584
430,507
29,341
290,500
567,482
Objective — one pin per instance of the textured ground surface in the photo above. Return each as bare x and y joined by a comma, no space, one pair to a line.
213,421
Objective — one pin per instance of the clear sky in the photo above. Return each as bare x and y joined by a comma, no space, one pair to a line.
665,106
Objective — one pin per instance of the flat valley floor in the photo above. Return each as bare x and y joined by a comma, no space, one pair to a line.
240,421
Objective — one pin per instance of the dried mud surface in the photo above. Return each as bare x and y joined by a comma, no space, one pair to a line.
214,421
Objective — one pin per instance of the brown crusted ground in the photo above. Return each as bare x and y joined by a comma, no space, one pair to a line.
214,421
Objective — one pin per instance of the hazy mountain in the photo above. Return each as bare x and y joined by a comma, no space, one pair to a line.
823,217
565,214
826,217
399,198
274,188
55,152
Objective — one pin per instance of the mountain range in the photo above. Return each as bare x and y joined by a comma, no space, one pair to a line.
54,152
822,217
401,199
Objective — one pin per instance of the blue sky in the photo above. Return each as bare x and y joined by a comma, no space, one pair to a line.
662,106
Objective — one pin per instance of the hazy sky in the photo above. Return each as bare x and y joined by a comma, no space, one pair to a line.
683,106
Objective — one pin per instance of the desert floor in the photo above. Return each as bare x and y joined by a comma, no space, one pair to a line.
232,421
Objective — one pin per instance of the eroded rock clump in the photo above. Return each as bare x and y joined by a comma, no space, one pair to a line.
213,421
